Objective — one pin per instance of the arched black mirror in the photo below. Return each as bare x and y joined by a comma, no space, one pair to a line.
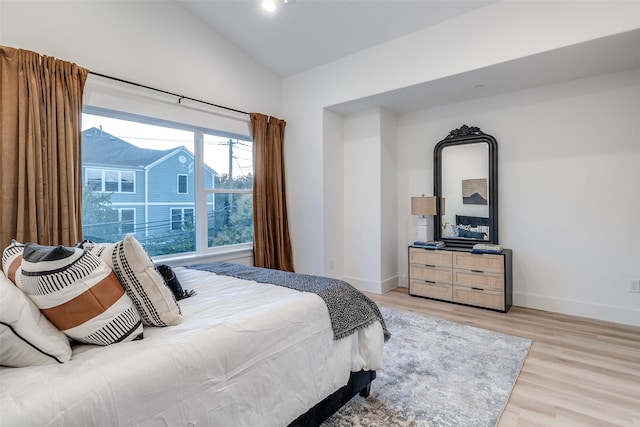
466,177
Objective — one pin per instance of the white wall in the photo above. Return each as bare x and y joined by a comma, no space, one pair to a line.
333,197
510,30
157,43
369,187
572,277
568,188
558,145
389,201
362,199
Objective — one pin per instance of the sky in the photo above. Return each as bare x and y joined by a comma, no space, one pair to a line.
162,138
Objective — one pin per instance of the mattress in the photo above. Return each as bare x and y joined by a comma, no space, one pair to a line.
246,354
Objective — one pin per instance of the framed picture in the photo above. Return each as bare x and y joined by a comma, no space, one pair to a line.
474,191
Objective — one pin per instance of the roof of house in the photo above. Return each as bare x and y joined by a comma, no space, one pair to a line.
100,147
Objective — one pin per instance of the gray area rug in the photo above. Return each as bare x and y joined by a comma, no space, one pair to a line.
438,373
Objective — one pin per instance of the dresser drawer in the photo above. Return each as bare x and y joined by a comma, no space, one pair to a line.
487,299
432,274
430,257
471,279
431,290
479,262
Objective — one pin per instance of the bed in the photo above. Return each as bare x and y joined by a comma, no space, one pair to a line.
245,353
468,227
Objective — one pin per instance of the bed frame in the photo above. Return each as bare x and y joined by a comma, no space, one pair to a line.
359,383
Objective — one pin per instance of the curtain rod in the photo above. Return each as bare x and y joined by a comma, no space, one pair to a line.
180,97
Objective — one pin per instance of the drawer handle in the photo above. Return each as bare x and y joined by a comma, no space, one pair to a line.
477,289
427,265
429,281
477,271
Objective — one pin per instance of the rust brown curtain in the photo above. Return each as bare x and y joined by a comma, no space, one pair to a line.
40,118
272,244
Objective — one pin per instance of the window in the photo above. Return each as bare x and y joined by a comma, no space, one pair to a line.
127,220
94,179
182,184
181,218
110,181
212,206
127,181
230,195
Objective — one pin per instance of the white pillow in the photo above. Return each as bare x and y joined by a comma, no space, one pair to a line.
27,338
137,273
79,294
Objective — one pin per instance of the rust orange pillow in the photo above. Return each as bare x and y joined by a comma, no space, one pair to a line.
79,294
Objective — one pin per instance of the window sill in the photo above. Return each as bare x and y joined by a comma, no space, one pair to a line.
241,254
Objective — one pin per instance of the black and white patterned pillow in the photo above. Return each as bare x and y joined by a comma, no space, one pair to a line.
79,294
138,275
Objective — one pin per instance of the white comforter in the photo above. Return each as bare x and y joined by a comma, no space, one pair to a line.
246,354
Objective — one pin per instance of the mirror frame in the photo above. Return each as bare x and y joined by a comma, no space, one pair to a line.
467,135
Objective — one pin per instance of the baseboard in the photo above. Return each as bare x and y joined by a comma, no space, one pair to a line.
372,286
624,315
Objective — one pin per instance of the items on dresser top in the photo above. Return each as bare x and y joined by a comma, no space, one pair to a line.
431,244
462,276
486,248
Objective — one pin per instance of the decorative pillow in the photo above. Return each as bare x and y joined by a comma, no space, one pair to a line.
172,282
79,294
470,234
449,230
139,277
12,260
27,338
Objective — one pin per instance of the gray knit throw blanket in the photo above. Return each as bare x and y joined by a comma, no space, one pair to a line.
349,309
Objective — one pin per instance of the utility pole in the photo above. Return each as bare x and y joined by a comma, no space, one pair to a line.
230,181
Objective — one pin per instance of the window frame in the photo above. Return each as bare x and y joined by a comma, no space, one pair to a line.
181,221
186,183
201,194
133,221
103,179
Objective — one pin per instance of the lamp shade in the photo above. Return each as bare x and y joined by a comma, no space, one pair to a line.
423,205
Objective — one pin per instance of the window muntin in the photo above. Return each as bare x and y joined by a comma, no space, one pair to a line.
110,181
227,220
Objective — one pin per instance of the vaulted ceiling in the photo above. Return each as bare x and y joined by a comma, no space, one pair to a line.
303,34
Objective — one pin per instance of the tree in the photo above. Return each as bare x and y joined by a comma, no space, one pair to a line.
239,227
173,242
99,219
233,213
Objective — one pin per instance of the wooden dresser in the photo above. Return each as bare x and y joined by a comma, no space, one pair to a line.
460,276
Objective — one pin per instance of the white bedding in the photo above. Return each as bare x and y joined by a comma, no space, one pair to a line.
246,354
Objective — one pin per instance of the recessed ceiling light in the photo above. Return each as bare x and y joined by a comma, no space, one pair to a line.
269,5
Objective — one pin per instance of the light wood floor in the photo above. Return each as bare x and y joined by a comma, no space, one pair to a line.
579,372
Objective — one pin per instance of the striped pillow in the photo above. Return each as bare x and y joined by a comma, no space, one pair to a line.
138,275
12,260
79,294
